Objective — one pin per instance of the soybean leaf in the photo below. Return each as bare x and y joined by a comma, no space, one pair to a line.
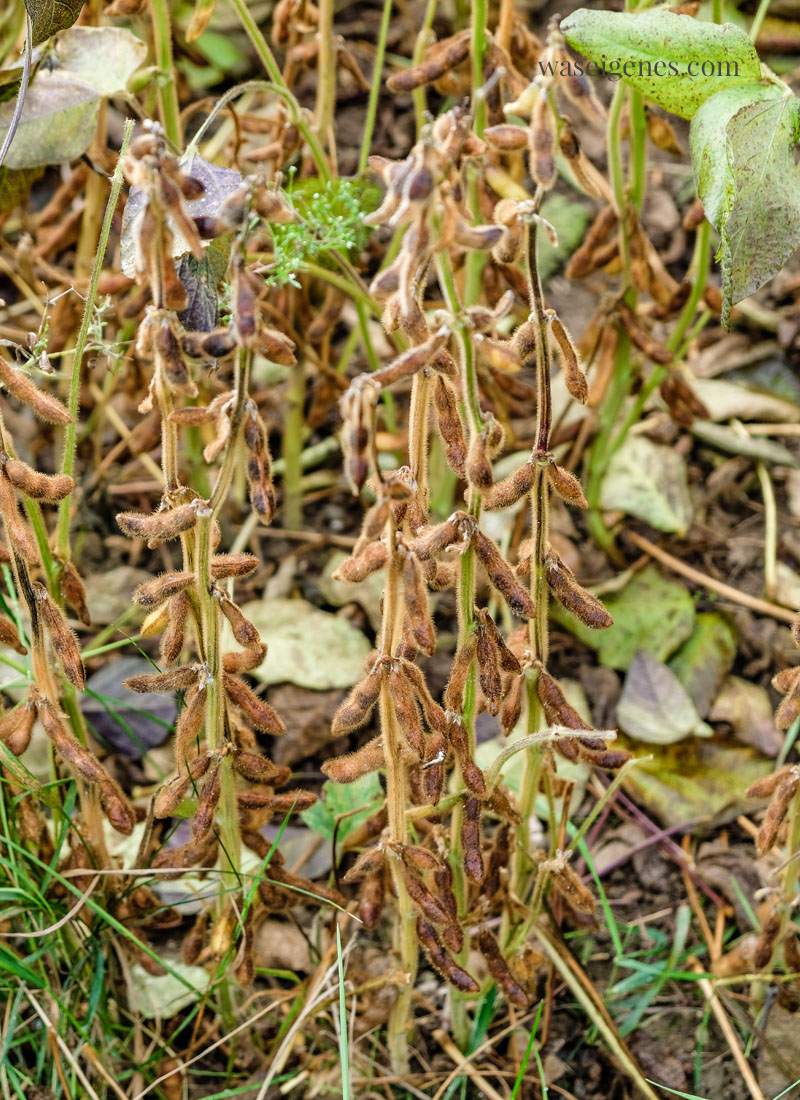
649,481
705,659
14,186
742,142
57,124
49,16
654,706
103,57
656,49
364,796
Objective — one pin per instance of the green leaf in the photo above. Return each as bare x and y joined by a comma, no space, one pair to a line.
651,612
364,795
649,481
703,662
15,185
49,16
632,46
743,142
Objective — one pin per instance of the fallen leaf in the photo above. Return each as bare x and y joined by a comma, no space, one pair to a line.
647,480
103,57
705,659
654,706
747,708
164,995
725,438
128,723
725,400
308,716
652,612
278,945
306,646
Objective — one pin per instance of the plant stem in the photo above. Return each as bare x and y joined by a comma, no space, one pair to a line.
418,95
167,88
68,462
326,76
375,87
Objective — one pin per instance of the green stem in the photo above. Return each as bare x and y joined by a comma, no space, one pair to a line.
68,463
375,87
167,88
326,73
617,176
292,449
418,95
638,150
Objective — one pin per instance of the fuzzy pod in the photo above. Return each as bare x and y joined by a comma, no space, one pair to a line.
499,859
506,657
478,467
543,142
189,728
45,406
368,863
161,588
768,784
506,137
173,792
416,857
443,885
418,613
569,885
245,660
10,637
371,899
195,939
260,769
158,527
352,766
18,533
557,710
406,712
435,540
233,565
471,840
50,488
571,595
451,428
242,629
566,485
501,576
176,679
777,810
73,592
119,811
427,904
203,821
169,358
608,759
62,638
178,609
488,657
654,351
439,59
507,492
16,728
442,961
511,710
472,775
258,712
456,684
498,968
434,715
787,681
259,469
359,704
574,377
356,569
411,361
433,766
276,347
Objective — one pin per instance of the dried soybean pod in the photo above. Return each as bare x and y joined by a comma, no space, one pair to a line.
242,629
245,660
44,405
354,765
502,577
158,527
424,899
543,142
488,664
175,790
233,565
499,859
50,488
435,540
416,601
765,787
440,59
161,588
508,660
557,710
260,769
368,863
442,961
777,810
571,595
566,485
471,840
511,489
416,857
172,641
570,362
74,593
642,338
511,709
358,705
177,679
203,820
459,740
189,733
406,712
506,137
443,881
434,715
16,728
478,467
64,641
462,662
498,968
258,712
10,637
569,884
370,903
450,427
370,560
433,766
18,533
259,468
